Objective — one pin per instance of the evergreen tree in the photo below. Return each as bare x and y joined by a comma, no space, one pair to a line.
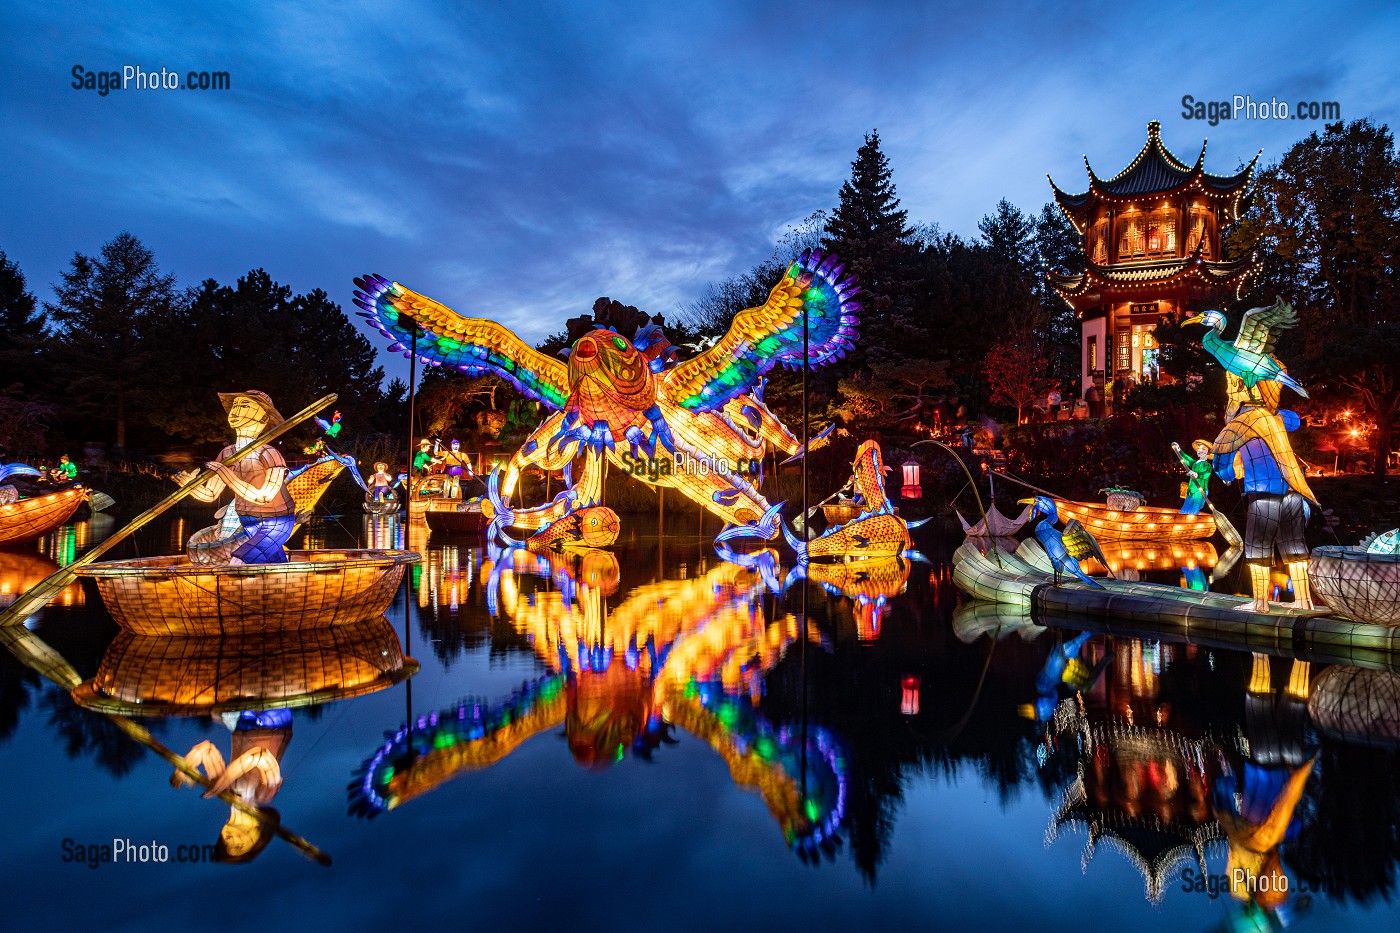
871,233
23,333
1327,221
259,335
1011,235
106,306
1058,247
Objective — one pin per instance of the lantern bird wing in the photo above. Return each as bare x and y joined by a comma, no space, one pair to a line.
1261,327
1081,544
812,289
474,346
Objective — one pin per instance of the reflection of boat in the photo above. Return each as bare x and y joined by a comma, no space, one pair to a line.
977,617
314,589
454,516
20,571
1024,579
1147,521
1358,583
28,519
1357,705
144,675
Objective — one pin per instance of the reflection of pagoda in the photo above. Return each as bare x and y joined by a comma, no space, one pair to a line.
1153,249
1144,779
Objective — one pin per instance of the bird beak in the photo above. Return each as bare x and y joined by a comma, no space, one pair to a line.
1198,319
1025,502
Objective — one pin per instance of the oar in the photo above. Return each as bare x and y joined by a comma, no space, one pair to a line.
39,595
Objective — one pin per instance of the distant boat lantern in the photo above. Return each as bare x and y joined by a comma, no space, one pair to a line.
909,696
911,488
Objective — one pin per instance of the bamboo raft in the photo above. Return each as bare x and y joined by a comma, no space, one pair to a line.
1024,579
1154,522
314,589
30,519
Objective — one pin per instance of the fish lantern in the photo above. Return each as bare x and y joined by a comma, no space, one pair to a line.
911,488
909,695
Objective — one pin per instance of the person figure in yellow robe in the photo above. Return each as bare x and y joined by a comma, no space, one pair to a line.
265,508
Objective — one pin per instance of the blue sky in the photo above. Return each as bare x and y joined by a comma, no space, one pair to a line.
518,160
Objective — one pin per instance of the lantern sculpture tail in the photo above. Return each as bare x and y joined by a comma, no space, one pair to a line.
818,441
798,545
765,528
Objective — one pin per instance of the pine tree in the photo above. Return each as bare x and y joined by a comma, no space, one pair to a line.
1010,234
106,305
871,234
23,333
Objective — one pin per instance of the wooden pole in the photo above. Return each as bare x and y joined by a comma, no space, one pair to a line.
39,596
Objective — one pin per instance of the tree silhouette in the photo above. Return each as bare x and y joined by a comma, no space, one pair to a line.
106,306
1327,220
871,233
22,330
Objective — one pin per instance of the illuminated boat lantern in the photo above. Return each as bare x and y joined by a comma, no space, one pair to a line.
29,519
313,589
1144,522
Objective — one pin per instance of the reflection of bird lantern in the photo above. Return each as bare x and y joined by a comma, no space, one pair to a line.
909,696
911,488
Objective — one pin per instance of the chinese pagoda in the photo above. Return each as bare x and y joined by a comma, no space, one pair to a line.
1153,250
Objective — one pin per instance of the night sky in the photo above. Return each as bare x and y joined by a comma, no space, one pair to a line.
517,161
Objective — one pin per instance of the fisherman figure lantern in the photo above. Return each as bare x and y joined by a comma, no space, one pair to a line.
1199,470
1254,447
263,512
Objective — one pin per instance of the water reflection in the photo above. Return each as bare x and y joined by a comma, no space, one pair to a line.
688,654
1186,759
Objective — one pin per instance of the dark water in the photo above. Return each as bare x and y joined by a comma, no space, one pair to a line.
653,738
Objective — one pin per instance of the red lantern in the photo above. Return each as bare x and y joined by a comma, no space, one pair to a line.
911,488
909,698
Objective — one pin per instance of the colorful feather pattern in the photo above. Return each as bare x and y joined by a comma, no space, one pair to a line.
771,335
474,346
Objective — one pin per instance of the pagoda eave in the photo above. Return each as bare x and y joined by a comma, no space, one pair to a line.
1187,277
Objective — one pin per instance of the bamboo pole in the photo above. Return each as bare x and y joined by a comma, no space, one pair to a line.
39,595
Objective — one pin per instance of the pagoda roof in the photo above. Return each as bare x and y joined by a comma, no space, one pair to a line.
1154,171
1158,273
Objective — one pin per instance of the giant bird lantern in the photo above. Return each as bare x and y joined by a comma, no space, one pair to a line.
699,426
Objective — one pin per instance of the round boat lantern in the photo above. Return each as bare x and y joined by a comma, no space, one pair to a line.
911,488
909,696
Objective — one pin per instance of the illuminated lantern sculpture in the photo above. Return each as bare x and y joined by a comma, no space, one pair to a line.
876,532
911,488
1254,447
699,426
909,696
